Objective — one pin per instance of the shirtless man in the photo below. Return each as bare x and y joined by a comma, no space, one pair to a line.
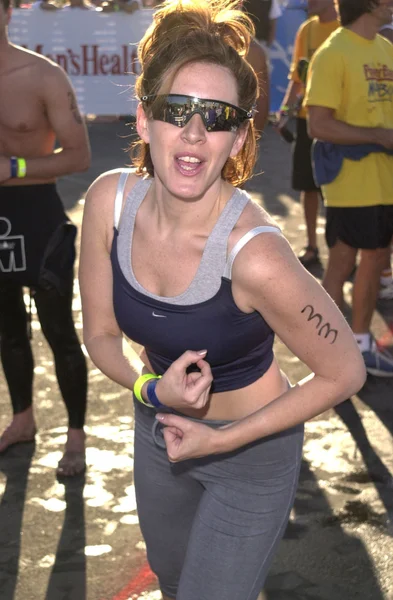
38,107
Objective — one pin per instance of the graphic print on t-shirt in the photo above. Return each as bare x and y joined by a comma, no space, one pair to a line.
12,249
380,82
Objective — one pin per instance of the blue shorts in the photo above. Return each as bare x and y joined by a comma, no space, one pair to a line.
212,525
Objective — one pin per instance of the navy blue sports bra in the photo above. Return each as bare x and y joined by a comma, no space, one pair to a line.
239,345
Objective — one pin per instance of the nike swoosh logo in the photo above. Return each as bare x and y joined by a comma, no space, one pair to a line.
160,316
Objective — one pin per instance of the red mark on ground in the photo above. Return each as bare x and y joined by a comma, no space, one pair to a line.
138,584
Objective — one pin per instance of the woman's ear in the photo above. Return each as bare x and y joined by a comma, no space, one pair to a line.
142,124
240,138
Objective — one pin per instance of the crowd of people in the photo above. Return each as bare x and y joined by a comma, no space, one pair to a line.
359,218
178,258
263,13
127,6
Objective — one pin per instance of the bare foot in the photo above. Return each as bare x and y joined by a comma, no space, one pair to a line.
22,429
15,434
73,461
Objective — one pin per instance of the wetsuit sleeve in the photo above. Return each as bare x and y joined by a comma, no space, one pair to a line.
325,79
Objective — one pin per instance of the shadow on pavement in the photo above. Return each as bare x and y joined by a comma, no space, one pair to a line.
14,466
375,469
68,576
313,535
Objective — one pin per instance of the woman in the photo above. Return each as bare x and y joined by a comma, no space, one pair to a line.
186,265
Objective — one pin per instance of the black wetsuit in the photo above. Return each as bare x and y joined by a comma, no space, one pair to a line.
29,216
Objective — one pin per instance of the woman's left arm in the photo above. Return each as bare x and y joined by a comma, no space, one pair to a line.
269,277
310,324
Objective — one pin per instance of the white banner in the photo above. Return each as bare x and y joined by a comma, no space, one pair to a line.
97,51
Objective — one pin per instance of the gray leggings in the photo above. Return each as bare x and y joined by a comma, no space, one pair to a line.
212,525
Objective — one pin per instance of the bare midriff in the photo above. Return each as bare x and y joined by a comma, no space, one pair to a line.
240,403
237,404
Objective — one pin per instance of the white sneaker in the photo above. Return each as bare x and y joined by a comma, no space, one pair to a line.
386,292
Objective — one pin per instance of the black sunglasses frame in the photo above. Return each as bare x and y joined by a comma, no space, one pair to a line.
219,125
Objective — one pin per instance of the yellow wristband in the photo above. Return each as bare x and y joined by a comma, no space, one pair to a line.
21,166
140,382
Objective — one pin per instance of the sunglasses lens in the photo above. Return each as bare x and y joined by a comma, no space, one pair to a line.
178,110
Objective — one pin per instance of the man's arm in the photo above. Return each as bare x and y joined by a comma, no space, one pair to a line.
295,87
293,93
275,13
272,32
323,125
257,59
60,106
323,99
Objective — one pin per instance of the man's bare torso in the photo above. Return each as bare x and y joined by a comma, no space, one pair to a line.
25,130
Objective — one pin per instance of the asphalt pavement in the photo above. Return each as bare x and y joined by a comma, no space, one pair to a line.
80,540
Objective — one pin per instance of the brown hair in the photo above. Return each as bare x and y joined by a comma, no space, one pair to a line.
351,10
189,31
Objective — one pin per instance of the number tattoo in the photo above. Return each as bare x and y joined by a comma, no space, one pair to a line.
324,329
74,108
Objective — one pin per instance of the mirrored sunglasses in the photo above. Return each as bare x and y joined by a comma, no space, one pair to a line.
178,110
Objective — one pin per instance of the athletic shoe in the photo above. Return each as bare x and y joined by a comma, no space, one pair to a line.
378,362
386,292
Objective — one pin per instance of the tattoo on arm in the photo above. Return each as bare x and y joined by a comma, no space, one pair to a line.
74,108
324,329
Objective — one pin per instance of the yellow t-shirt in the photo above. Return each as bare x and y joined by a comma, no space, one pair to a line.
310,36
354,76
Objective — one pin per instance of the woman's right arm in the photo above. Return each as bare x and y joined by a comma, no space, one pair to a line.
103,339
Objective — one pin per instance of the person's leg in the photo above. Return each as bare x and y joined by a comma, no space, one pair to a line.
55,315
303,181
18,365
167,500
367,228
342,253
386,281
365,287
310,201
364,299
241,518
341,261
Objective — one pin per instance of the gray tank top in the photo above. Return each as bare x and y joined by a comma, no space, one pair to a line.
214,264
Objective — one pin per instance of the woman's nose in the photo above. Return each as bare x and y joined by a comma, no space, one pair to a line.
194,131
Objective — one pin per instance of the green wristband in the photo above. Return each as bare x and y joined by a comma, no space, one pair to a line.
138,385
284,110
